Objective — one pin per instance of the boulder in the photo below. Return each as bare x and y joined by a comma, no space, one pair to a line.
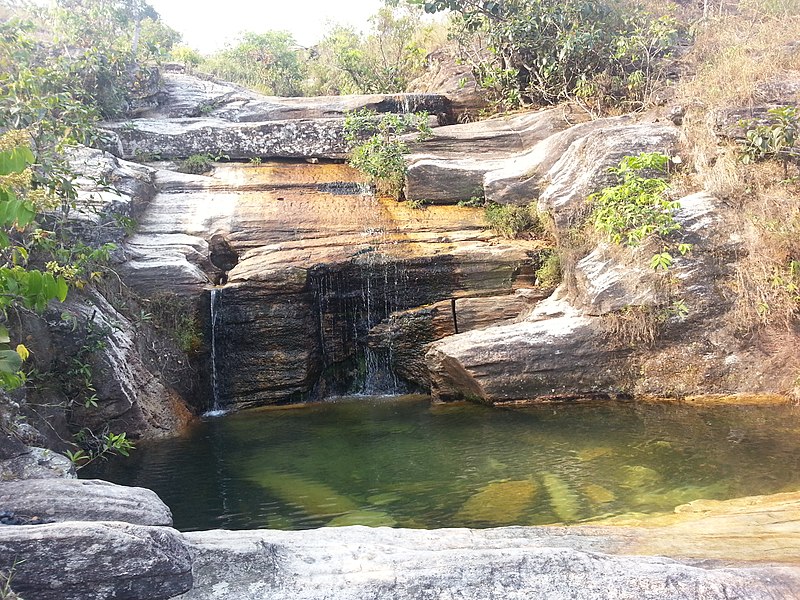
190,96
553,353
583,168
162,139
36,463
407,334
445,74
83,500
95,561
450,165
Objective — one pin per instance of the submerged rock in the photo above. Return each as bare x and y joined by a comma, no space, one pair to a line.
315,498
367,518
498,503
564,501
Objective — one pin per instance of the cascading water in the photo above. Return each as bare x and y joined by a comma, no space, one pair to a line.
215,295
350,302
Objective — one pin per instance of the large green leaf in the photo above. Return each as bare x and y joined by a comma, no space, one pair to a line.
15,160
10,361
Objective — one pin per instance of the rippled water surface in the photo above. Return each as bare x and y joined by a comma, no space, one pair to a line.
404,462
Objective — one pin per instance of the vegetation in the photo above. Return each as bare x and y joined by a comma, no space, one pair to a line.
512,221
597,52
637,208
270,62
548,275
61,69
175,316
775,139
198,164
376,148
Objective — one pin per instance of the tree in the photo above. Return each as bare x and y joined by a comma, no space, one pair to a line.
383,61
271,62
545,51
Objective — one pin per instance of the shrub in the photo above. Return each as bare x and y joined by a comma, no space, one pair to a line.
511,221
542,51
376,147
637,208
549,273
775,139
197,164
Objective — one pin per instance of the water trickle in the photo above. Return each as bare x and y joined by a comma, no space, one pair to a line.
351,301
215,295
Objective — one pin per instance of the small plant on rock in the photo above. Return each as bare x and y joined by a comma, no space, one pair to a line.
376,147
775,139
197,164
637,208
512,221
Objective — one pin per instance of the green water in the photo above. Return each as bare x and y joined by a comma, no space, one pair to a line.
406,463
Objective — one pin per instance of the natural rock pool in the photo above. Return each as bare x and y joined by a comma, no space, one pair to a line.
408,463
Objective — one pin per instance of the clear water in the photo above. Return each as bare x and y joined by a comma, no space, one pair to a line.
406,463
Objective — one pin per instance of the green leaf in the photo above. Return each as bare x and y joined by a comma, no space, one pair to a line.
5,338
10,361
62,289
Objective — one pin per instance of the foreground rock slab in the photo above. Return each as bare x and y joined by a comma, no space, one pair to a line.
509,563
95,561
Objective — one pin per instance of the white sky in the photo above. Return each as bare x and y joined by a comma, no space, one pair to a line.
207,25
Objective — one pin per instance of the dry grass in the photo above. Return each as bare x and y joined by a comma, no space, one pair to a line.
765,283
739,60
735,54
632,327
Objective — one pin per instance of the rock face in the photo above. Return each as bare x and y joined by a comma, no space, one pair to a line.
616,326
83,500
130,396
95,561
451,164
311,263
555,563
201,117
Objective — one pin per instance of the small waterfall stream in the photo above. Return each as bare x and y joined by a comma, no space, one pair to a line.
215,295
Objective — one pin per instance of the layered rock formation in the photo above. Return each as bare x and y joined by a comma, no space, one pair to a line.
201,117
314,262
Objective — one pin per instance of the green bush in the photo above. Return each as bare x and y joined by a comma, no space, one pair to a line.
775,139
376,147
549,274
637,208
542,51
197,164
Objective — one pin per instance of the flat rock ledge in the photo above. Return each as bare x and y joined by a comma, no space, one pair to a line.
509,563
705,550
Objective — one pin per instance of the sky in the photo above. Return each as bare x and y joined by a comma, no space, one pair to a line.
206,26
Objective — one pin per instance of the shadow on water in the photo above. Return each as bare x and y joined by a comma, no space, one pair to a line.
404,462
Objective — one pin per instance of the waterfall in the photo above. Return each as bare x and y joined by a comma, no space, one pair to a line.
214,298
